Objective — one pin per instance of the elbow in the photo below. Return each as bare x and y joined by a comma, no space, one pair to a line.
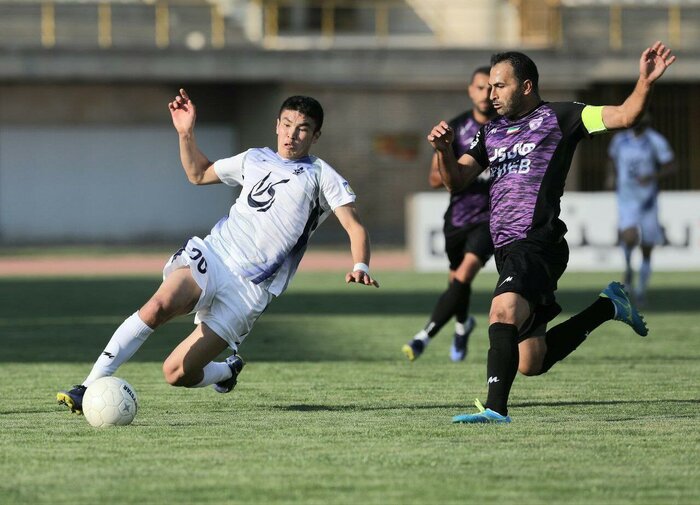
631,122
625,120
196,180
435,179
435,183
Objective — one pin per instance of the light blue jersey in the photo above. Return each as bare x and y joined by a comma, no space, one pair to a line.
636,157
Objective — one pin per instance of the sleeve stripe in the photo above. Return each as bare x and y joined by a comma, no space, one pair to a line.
592,118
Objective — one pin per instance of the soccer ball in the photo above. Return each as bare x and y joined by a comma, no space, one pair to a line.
109,401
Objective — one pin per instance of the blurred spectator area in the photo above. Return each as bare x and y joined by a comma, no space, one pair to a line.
588,26
84,87
674,109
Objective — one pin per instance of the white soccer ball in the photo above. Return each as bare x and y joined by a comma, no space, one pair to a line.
109,401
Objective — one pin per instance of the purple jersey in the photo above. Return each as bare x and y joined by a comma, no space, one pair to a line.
529,159
471,205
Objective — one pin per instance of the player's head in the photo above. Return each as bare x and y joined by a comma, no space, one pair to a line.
479,91
307,106
514,81
298,126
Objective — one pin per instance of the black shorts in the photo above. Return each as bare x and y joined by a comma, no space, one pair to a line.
531,269
475,239
536,324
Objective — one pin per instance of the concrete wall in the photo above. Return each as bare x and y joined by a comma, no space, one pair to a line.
104,183
86,163
77,152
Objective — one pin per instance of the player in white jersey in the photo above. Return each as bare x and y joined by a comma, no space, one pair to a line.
639,158
229,277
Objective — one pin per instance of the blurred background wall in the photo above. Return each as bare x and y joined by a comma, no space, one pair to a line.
88,153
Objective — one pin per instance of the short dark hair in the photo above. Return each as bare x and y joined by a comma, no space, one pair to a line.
523,67
486,70
307,106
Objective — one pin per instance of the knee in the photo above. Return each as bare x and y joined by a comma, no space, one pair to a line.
174,373
465,277
531,359
629,237
155,312
467,270
500,314
530,369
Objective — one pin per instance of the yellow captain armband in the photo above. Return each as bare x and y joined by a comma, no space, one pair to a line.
592,117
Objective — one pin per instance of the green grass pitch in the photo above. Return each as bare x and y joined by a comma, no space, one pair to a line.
328,410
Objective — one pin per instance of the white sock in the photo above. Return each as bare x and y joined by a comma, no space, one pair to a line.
644,275
132,333
459,328
628,256
214,371
422,335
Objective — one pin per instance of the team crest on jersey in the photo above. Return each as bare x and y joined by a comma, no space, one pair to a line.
262,196
535,123
347,187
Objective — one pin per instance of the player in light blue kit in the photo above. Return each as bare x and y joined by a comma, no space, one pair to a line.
640,158
229,277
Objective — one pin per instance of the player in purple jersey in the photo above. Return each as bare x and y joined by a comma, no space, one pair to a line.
528,151
467,239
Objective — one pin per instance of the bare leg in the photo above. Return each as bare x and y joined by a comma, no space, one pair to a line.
185,365
177,295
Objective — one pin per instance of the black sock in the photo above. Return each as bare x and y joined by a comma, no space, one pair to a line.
564,338
462,310
502,365
447,306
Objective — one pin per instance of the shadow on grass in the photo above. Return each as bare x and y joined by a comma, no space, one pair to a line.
61,297
74,318
428,406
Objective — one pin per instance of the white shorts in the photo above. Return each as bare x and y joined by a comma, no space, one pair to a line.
229,304
645,219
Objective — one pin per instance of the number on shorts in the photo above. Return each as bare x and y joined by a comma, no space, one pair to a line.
202,263
196,255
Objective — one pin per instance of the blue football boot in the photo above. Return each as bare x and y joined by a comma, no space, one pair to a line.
624,310
482,417
458,351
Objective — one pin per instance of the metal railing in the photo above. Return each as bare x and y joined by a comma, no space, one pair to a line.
195,24
586,25
615,24
333,23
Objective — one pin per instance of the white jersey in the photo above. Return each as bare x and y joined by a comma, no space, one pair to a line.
282,202
635,157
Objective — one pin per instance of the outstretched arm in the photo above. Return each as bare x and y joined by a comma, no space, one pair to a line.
456,174
197,166
652,65
359,245
434,178
665,170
